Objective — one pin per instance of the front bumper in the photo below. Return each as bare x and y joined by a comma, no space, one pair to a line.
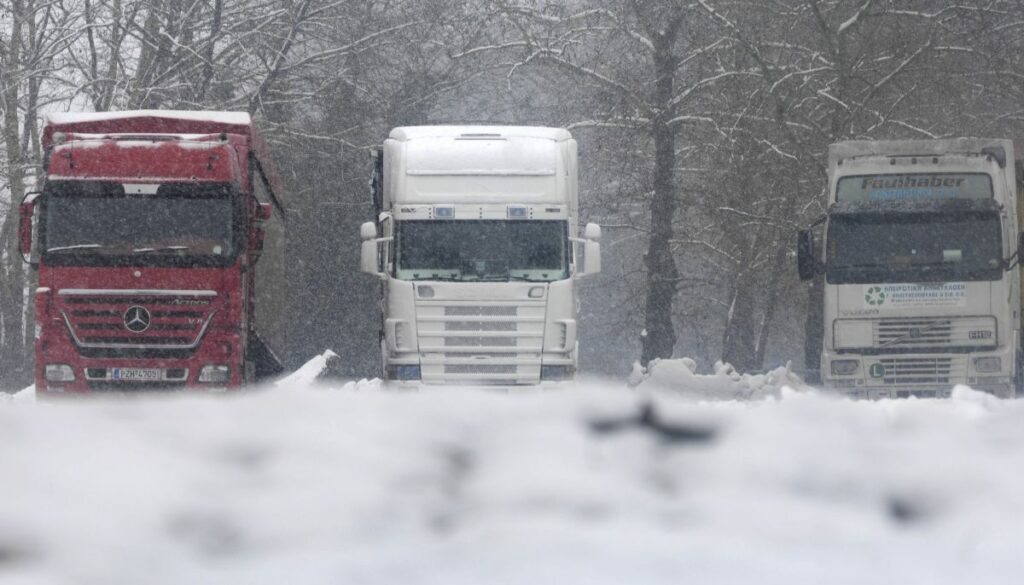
97,374
923,375
469,371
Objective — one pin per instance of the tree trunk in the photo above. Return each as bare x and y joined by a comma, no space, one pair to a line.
768,316
739,343
12,282
208,53
662,275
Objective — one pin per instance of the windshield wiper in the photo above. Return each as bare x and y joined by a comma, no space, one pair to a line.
899,265
160,249
438,278
74,247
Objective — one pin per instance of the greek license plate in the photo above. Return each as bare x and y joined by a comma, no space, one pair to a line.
137,374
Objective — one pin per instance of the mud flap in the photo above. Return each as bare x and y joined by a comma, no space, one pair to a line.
264,360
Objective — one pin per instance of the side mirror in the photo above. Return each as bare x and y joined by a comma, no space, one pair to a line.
592,232
26,212
369,257
368,231
591,257
806,263
264,211
370,253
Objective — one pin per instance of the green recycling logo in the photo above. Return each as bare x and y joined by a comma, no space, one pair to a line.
875,296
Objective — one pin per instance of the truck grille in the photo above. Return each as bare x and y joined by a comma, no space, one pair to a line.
909,371
913,332
498,342
98,320
916,333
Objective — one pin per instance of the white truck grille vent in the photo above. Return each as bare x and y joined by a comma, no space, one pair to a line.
474,311
479,369
489,341
935,332
922,370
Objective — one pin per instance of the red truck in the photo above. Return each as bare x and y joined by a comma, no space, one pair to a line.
158,237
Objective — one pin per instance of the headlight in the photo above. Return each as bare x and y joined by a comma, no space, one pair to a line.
844,367
984,365
59,373
556,372
214,374
403,372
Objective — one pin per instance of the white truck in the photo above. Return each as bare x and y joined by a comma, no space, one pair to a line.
477,250
920,264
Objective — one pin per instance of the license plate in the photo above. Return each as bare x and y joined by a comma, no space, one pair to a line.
137,374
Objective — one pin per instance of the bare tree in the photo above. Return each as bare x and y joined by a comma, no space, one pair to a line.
647,71
34,37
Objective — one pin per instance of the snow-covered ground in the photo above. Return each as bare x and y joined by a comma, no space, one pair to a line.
306,483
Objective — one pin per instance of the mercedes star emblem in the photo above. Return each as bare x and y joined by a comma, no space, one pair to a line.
136,319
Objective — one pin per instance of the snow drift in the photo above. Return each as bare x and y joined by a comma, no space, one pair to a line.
680,377
594,483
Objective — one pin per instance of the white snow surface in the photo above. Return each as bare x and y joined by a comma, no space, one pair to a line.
308,482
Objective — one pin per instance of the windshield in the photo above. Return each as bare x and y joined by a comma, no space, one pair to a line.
491,250
914,248
165,224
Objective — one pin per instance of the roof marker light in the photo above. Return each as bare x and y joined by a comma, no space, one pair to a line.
444,212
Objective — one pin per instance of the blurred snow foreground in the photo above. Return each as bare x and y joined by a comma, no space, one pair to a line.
592,482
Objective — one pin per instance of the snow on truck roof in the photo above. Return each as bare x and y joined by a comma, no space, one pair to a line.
937,147
147,122
230,118
406,133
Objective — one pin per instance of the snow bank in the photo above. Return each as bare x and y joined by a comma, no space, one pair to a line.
309,371
679,376
24,395
320,484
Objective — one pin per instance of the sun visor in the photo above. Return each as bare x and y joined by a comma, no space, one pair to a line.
914,206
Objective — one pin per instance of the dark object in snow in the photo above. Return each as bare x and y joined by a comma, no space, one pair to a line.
903,510
11,553
647,419
335,369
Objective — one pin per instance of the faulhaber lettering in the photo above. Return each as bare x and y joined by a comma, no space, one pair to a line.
901,181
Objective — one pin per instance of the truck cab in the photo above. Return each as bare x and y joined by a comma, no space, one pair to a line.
158,238
921,268
476,246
